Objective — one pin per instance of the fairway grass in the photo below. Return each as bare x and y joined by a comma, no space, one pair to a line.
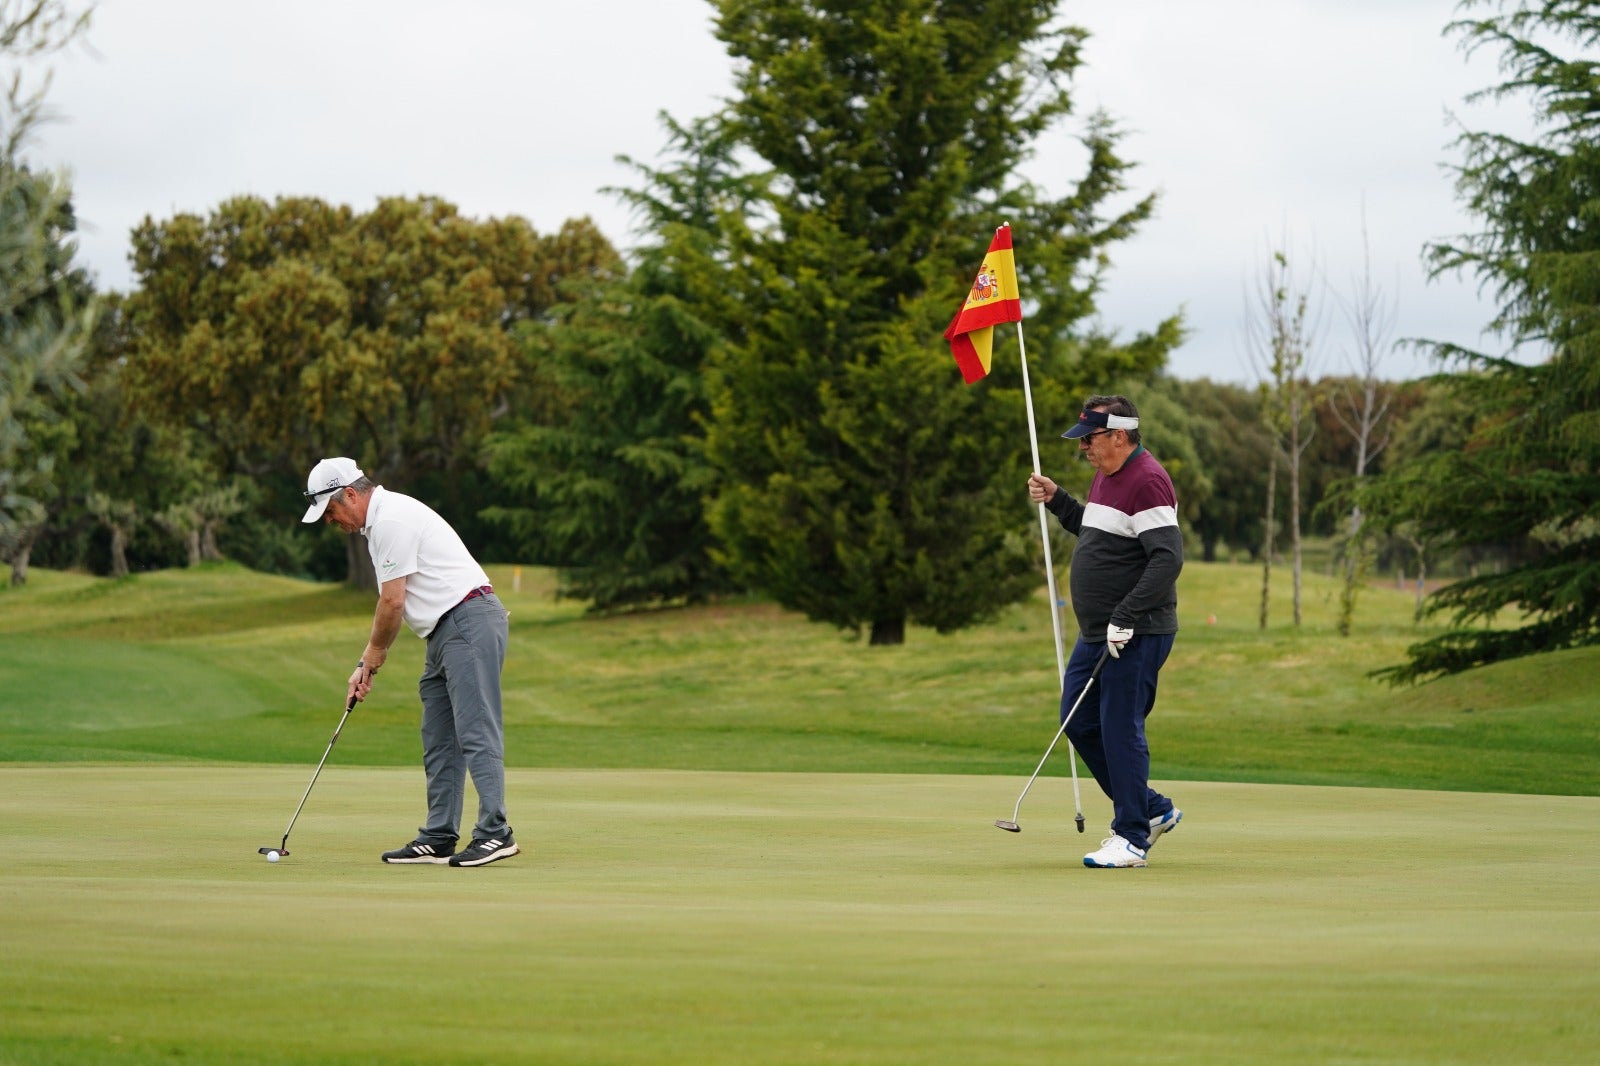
225,665
701,917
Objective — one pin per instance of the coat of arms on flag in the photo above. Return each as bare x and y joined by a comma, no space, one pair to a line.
994,298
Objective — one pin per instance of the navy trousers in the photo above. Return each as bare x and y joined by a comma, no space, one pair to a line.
1108,730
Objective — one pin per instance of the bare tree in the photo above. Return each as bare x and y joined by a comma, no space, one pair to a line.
1282,323
1361,404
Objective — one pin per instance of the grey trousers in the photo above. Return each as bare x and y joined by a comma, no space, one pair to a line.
462,731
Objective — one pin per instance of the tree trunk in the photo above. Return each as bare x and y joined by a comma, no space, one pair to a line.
888,631
208,543
1267,546
19,558
358,564
1355,569
191,546
1294,532
1294,497
119,551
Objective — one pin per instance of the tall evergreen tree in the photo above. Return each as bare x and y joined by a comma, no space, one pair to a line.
860,481
1528,476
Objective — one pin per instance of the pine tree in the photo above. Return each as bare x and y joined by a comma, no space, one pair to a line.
1527,479
860,481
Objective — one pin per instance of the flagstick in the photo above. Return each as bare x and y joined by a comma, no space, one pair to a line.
1049,569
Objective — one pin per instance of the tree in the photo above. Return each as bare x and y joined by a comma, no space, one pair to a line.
1361,404
47,310
1437,423
1528,474
612,489
121,516
291,331
861,483
1282,328
195,520
47,436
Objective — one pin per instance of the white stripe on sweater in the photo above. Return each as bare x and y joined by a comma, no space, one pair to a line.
1111,520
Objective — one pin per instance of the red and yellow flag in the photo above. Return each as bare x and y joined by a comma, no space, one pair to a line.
994,298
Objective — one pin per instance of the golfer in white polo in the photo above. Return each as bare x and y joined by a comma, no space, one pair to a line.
427,577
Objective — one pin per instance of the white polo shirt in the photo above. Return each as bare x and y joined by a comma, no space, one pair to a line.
407,538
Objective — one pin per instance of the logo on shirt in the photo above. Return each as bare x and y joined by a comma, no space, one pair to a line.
388,564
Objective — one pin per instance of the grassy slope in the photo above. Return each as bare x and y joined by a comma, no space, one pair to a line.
225,664
665,917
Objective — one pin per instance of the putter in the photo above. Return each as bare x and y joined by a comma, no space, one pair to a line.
1012,826
283,848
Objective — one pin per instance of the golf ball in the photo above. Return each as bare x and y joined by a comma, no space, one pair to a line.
272,856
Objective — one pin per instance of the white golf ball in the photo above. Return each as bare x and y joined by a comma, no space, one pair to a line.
272,856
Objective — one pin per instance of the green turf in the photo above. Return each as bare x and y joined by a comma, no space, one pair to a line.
683,917
857,907
223,664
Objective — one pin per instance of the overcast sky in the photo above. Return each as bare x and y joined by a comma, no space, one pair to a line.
1260,124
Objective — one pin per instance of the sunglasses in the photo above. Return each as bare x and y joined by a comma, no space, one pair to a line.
323,492
1087,437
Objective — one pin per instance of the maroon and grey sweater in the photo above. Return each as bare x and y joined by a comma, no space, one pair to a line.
1129,552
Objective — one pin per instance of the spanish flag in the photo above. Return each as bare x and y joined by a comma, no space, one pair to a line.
993,299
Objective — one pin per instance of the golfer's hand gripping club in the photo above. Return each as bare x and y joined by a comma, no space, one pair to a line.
359,686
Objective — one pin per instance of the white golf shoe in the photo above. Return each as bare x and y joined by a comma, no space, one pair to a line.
1114,853
1158,826
1163,824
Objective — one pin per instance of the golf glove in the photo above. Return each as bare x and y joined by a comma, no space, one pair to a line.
1116,637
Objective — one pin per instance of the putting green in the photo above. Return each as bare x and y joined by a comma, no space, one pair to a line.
692,917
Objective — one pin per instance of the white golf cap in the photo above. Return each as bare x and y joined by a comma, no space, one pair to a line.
326,478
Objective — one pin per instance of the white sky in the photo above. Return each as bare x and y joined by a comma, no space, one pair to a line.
1260,124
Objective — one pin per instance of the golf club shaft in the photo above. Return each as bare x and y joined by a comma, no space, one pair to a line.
339,728
1072,759
1060,733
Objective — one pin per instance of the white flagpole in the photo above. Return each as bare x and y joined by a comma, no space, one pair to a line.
1049,568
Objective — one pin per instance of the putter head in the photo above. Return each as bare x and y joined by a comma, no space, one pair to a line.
1010,827
280,851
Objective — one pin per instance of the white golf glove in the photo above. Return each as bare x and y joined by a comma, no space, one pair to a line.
1116,637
